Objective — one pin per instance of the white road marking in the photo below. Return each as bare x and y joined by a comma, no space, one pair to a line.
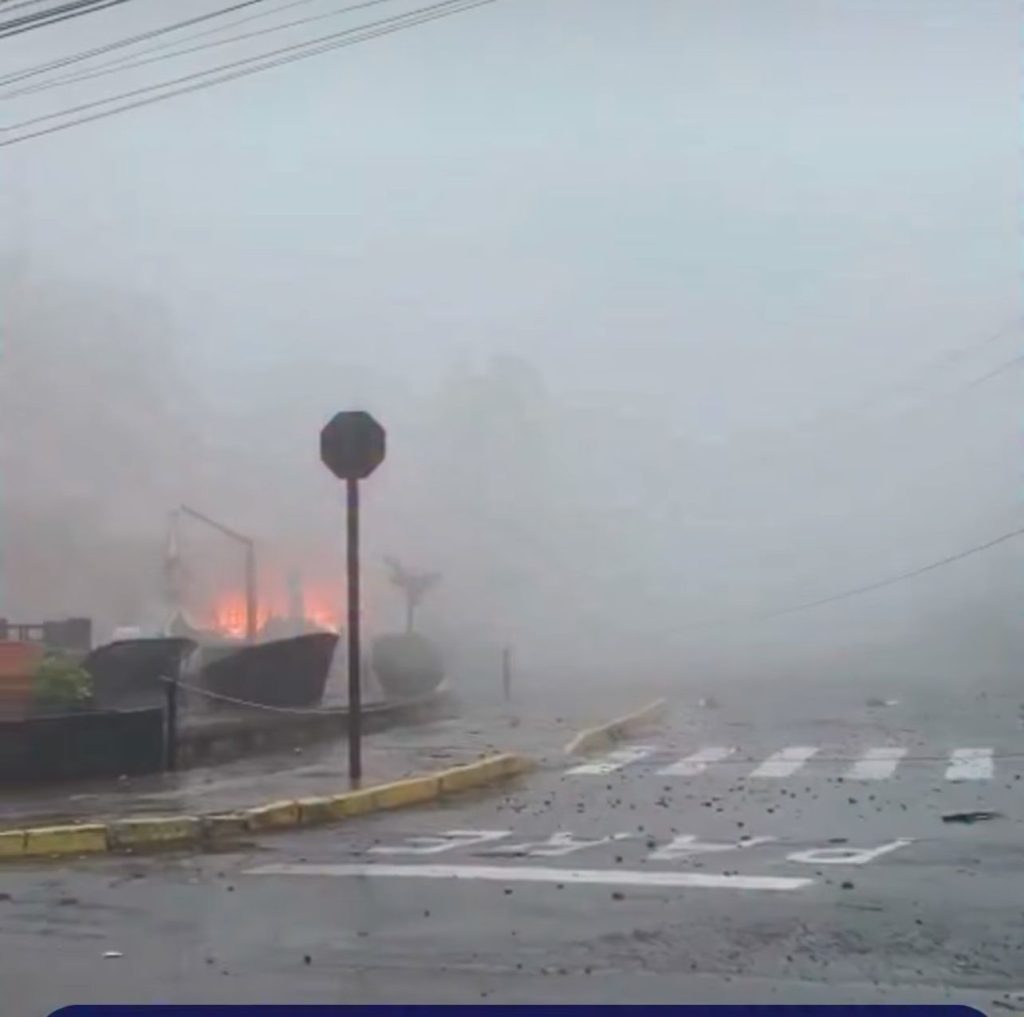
845,856
697,763
614,760
556,846
877,764
686,845
537,874
435,843
970,764
786,762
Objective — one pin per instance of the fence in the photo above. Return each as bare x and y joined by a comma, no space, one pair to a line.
105,743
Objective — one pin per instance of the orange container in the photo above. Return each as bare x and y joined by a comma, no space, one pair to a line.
18,662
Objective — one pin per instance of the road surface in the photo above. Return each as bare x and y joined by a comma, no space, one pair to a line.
774,849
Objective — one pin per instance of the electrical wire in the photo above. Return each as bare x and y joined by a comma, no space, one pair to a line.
24,19
153,33
240,68
31,22
891,580
130,62
141,90
909,384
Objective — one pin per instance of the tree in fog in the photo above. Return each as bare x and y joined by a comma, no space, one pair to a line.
96,421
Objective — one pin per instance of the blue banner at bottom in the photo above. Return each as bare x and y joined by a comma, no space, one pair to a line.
339,1010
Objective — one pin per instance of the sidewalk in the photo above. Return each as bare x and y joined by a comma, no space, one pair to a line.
316,769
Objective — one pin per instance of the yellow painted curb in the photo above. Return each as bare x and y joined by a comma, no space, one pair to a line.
227,828
224,828
155,831
273,816
88,838
471,775
409,791
354,803
594,738
12,844
313,811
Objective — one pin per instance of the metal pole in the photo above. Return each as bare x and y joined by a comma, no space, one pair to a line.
250,593
506,673
355,717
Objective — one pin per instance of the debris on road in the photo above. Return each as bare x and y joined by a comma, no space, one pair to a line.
112,955
970,817
874,701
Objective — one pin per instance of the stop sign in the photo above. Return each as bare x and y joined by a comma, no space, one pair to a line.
352,445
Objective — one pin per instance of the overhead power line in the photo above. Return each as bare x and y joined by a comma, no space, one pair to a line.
53,16
891,580
909,383
994,373
131,40
242,68
131,61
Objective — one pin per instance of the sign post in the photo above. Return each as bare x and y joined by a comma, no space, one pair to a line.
352,446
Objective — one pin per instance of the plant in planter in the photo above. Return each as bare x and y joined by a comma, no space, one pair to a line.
408,664
414,585
60,683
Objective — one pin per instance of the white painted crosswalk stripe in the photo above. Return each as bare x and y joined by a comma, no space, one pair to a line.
877,764
970,764
696,763
786,762
874,764
613,761
539,874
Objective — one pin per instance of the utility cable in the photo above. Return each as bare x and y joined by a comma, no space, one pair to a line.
890,581
32,22
292,53
131,61
131,40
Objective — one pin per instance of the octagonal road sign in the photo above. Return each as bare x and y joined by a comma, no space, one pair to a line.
352,445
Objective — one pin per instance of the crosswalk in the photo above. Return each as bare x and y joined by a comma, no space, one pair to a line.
870,763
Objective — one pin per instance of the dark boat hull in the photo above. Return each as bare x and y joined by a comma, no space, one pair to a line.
286,673
133,672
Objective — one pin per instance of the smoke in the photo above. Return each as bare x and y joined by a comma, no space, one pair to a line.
633,320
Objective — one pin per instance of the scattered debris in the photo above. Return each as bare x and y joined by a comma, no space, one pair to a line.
708,703
874,701
112,955
970,817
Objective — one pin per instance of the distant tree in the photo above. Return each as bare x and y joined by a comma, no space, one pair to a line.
99,438
414,586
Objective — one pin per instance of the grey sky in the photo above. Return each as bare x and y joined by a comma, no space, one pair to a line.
818,193
706,218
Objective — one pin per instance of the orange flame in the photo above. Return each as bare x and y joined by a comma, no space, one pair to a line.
319,607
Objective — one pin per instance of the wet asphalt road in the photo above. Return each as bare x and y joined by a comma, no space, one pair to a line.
810,863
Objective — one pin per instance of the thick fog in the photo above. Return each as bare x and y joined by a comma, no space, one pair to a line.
677,313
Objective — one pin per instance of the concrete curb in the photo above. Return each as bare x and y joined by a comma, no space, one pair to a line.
147,833
595,738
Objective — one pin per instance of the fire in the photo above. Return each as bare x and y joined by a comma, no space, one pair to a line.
321,610
319,607
229,615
